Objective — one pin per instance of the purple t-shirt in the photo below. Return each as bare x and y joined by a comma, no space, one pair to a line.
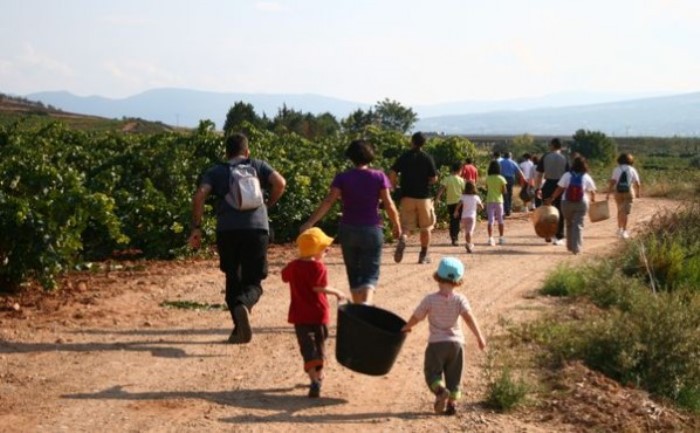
359,192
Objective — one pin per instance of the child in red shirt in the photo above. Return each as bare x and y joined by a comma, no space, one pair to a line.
308,310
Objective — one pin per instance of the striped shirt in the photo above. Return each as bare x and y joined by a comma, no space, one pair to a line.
443,312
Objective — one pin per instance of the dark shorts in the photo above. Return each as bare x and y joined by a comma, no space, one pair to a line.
312,343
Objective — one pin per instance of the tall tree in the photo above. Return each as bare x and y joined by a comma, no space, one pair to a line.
358,120
238,114
394,116
594,145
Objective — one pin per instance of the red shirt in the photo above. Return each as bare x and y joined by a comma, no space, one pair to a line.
307,307
469,172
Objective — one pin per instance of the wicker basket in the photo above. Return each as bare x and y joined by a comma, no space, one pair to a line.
599,211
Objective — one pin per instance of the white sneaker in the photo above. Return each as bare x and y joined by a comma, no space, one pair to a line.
501,241
558,242
625,235
619,232
492,242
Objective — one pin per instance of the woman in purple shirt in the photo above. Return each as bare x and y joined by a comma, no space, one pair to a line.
361,236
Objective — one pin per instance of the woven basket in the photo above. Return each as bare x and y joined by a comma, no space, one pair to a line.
599,211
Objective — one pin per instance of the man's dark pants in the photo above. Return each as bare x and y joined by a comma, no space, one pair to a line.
243,258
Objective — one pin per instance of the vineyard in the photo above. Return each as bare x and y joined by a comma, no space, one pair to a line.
69,197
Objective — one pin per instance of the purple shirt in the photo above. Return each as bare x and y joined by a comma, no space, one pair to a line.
359,192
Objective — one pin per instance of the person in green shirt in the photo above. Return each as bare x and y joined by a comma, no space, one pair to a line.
452,186
495,188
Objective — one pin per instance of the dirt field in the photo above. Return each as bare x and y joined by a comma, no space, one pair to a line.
103,355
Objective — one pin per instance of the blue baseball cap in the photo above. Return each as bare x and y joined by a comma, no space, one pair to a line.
450,268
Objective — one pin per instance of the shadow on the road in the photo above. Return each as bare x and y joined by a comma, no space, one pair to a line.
10,347
283,402
158,347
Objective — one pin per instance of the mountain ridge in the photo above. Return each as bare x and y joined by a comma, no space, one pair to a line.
665,115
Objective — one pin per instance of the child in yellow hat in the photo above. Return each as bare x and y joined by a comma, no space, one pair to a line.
309,310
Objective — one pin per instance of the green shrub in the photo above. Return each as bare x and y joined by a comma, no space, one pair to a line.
564,281
505,392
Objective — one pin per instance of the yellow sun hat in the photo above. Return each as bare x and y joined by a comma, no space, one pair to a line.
312,242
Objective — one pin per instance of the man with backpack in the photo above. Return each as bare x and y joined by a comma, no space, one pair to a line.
626,186
242,226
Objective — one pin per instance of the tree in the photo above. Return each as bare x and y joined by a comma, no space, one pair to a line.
358,121
394,116
238,114
594,145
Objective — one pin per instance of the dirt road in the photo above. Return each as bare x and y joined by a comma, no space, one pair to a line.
105,356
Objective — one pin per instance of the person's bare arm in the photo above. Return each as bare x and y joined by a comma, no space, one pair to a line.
413,321
277,186
200,196
322,209
391,211
393,178
330,291
474,327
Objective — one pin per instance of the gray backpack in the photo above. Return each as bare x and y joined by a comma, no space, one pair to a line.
244,187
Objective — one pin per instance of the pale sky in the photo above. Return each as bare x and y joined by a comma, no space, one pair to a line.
413,51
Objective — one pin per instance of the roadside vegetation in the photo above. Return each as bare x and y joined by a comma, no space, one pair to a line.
634,316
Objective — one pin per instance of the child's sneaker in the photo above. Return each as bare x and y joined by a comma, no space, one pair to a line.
501,241
315,390
625,234
400,247
492,242
441,397
470,248
451,409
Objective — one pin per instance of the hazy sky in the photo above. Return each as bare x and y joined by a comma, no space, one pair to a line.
414,51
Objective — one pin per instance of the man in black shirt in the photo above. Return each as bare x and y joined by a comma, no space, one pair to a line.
417,173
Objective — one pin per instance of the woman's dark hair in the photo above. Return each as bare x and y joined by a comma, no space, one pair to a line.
579,165
494,168
469,187
625,158
360,152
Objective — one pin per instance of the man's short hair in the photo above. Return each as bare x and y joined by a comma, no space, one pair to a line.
555,143
236,144
418,139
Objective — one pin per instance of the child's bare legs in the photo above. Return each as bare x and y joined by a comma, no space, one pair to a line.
501,228
489,229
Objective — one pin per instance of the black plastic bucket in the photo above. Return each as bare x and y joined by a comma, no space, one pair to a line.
368,339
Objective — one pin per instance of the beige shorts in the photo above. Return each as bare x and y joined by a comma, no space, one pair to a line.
417,213
624,200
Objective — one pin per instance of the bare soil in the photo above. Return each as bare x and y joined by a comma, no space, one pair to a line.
102,354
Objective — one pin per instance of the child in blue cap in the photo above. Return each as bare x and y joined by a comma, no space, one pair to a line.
444,355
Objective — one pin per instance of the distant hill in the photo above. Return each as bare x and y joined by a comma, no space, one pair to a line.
36,113
658,116
184,107
555,114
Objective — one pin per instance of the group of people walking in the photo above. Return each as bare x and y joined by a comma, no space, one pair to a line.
242,238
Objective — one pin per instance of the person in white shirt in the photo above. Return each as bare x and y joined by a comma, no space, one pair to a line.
529,170
468,205
626,186
576,186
